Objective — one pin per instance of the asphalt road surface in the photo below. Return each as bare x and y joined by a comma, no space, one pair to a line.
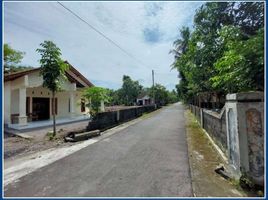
147,159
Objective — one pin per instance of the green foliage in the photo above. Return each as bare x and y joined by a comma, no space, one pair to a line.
160,93
11,57
241,66
246,182
52,66
113,97
52,70
94,96
129,91
172,96
224,52
50,135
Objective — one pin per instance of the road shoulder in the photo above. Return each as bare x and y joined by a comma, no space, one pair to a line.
203,160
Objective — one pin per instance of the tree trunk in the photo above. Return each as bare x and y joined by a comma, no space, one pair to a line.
53,113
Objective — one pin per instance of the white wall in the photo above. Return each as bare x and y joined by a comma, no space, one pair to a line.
15,99
33,82
34,79
7,103
63,100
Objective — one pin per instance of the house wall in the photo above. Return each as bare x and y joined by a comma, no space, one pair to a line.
35,80
33,84
7,102
15,99
63,101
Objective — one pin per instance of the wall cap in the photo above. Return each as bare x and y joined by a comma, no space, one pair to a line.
245,96
214,113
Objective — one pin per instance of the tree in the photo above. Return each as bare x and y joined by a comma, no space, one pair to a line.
160,93
94,96
129,91
181,44
224,52
113,97
11,57
172,96
52,70
241,66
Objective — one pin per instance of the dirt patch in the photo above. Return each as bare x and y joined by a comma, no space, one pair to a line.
16,146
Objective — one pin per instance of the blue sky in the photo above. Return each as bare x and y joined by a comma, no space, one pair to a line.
144,29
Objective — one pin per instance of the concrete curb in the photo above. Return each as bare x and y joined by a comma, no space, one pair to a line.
23,135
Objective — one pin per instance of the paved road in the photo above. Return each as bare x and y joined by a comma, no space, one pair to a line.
146,159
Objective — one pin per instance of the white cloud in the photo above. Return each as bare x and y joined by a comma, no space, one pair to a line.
27,24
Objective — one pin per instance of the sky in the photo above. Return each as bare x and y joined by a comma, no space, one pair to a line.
146,30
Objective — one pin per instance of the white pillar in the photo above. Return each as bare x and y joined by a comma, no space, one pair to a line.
72,99
22,106
7,102
245,134
72,103
102,108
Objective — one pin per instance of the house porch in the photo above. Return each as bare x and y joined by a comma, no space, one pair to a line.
48,123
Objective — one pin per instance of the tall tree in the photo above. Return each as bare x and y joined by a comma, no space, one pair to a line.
11,57
181,44
52,70
129,91
160,93
241,68
224,52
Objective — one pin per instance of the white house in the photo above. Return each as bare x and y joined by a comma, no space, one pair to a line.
143,100
27,101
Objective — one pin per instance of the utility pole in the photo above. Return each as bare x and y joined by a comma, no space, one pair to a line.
153,86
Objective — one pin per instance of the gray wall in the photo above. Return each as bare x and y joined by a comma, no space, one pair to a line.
107,120
214,123
239,131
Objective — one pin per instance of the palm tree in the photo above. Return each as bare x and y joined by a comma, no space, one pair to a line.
180,45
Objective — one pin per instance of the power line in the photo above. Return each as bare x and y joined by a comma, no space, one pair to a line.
100,33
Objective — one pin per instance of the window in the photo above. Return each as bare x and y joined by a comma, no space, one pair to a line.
83,107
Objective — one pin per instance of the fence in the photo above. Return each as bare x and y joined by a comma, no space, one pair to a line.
107,120
214,123
238,131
